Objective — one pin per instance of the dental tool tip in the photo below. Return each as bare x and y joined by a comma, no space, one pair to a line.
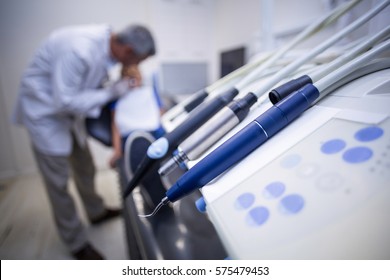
163,202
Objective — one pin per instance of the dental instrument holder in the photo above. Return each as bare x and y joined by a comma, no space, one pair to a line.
217,126
220,124
191,124
282,91
199,97
196,118
190,149
244,142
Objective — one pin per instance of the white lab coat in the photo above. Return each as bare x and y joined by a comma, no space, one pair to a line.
62,85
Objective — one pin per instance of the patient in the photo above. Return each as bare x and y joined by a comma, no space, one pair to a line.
137,110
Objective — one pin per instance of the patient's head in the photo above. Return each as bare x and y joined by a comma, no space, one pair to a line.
132,72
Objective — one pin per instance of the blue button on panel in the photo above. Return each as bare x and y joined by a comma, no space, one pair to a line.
333,146
257,216
357,155
274,190
244,201
292,203
368,134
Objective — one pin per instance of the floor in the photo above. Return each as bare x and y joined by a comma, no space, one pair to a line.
27,230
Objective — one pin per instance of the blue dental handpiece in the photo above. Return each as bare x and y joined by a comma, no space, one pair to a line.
243,143
261,129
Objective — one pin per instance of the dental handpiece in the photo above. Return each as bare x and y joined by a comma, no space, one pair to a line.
162,147
242,143
213,130
208,134
260,130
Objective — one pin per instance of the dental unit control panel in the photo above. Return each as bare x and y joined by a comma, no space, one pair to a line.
320,189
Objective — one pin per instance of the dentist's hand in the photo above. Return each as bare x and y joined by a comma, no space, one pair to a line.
121,87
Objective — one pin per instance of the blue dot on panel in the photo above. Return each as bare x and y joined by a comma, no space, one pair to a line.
274,190
257,216
292,203
357,154
333,146
368,134
244,201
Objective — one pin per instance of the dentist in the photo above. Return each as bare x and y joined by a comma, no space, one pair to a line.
62,85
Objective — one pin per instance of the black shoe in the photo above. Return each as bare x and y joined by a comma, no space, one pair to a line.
88,253
108,214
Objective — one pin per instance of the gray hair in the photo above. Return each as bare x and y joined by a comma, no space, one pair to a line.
139,38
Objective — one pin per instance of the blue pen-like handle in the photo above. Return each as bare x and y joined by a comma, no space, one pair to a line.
244,142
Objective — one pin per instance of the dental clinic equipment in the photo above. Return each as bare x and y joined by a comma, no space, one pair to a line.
260,130
284,90
208,134
264,62
163,146
225,82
